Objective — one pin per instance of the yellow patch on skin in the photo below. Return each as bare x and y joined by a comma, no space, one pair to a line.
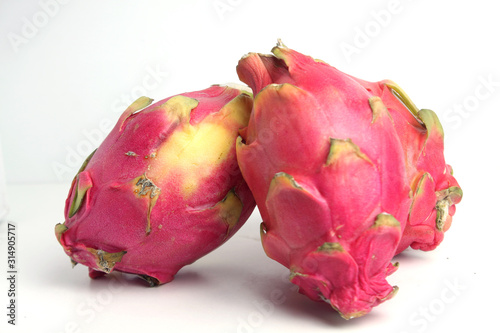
195,151
179,107
191,153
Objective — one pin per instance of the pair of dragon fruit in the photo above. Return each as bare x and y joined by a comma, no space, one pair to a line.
345,173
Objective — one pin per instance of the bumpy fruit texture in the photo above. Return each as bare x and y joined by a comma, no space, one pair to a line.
327,170
435,191
163,189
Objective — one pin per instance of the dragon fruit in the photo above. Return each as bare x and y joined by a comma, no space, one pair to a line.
435,191
327,169
163,189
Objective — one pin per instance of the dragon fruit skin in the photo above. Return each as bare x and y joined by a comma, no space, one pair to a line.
435,191
163,189
327,170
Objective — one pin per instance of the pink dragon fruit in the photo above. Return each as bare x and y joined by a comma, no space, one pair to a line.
435,191
163,188
327,170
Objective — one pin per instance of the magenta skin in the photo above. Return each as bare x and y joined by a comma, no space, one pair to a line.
346,174
327,170
147,202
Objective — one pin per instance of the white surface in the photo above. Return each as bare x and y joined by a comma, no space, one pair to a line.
67,82
237,288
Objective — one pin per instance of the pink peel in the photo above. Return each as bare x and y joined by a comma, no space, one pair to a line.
330,169
140,204
346,174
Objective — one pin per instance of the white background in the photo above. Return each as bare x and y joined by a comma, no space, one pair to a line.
69,68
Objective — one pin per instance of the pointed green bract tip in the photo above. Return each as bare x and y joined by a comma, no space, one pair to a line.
386,220
82,185
280,51
237,111
321,61
139,104
403,97
153,282
80,188
446,198
431,122
329,247
342,148
393,293
453,194
442,212
280,43
421,183
348,316
146,189
378,108
284,179
456,194
248,93
60,229
244,89
86,162
180,107
106,261
230,209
